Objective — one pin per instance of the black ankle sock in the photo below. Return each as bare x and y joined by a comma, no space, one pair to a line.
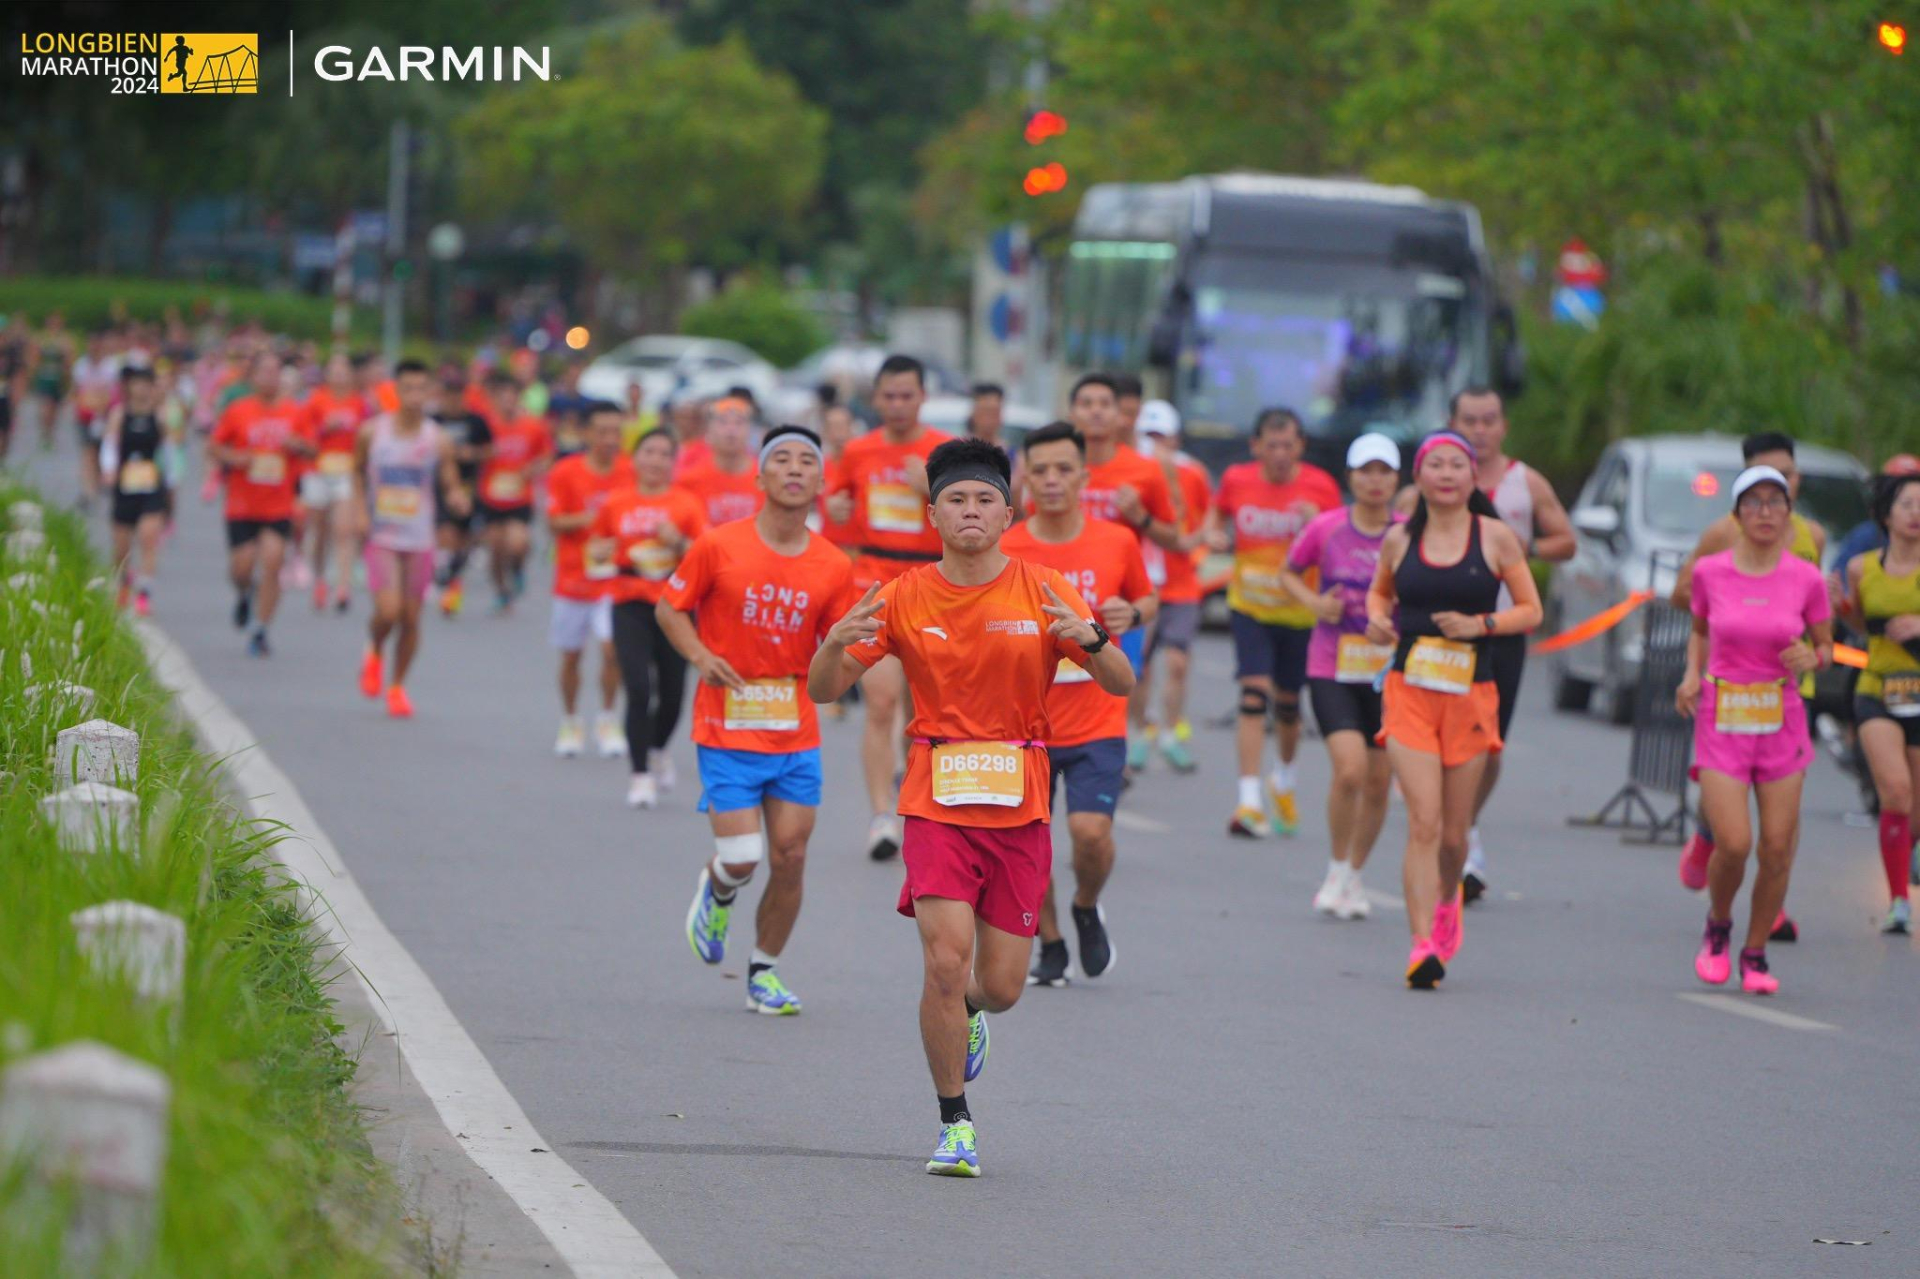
971,1010
754,970
727,899
954,1109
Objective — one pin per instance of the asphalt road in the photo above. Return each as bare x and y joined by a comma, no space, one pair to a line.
1251,1090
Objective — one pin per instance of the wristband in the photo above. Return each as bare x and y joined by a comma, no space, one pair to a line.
1136,617
1100,638
1144,524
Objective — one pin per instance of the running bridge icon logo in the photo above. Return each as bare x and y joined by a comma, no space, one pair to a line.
206,63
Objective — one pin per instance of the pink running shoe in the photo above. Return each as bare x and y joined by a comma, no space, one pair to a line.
1712,965
1424,969
1446,927
1693,863
1754,977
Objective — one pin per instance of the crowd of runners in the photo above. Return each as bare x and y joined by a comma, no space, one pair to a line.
1012,619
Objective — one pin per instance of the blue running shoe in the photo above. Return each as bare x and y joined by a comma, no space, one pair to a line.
766,993
707,922
976,1048
957,1155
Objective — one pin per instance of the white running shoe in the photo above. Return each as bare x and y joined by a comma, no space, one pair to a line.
1327,900
660,765
609,736
571,742
641,792
1353,903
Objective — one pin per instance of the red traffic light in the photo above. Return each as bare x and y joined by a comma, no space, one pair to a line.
1044,124
1045,179
1893,38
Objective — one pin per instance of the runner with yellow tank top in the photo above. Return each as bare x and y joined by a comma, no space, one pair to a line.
1808,542
1883,599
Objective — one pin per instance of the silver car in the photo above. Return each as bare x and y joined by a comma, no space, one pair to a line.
1642,510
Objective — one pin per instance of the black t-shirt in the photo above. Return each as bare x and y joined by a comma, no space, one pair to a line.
466,430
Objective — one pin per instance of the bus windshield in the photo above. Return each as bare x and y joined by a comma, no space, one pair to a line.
1347,346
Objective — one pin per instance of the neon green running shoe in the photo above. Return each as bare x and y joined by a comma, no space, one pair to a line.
976,1046
957,1155
707,921
766,993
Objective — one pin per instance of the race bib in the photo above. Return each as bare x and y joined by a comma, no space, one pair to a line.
267,468
895,508
336,464
1440,665
1256,577
396,502
1071,672
138,475
1358,662
1747,708
979,773
507,488
597,559
651,560
768,705
1901,693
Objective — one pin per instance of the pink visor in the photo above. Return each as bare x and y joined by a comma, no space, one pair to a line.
1442,440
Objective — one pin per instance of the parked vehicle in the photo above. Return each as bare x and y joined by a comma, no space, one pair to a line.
670,367
1641,511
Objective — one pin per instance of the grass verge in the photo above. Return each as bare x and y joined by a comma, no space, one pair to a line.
268,1170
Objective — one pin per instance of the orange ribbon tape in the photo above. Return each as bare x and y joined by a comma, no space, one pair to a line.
1605,620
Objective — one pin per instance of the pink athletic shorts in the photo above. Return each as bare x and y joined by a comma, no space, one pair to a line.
1752,758
1000,871
410,572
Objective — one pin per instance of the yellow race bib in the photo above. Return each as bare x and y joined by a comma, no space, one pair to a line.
139,476
979,773
336,464
1071,672
895,508
1901,694
1256,578
508,488
596,558
1358,662
1750,709
764,705
1440,665
396,502
651,560
267,468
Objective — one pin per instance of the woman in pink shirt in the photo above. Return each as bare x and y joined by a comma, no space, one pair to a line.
1761,619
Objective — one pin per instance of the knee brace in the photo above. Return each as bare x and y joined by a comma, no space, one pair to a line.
1286,711
1254,703
738,850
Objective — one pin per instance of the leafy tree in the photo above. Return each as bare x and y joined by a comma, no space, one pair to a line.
761,316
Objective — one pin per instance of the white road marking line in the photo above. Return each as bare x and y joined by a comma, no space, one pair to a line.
1144,825
1757,1011
584,1227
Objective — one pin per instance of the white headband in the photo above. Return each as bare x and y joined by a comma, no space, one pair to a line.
775,440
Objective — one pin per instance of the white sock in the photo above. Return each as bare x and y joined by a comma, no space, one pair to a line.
1476,855
1336,870
762,957
1282,776
1353,877
1250,792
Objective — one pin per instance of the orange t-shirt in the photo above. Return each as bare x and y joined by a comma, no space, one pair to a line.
724,495
979,661
331,423
633,521
1127,467
694,455
573,487
261,488
1104,561
1176,574
839,532
889,518
506,481
386,395
765,613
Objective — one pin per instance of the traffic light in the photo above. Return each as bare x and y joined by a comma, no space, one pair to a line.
1893,38
1045,179
1042,126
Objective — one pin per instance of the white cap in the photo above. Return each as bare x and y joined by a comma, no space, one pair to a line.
1372,447
1157,417
1758,475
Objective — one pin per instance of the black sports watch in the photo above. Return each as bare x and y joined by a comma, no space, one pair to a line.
1100,638
1136,615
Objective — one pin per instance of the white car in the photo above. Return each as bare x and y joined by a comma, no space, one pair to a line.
670,367
949,413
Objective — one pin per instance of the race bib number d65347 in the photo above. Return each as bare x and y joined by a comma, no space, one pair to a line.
979,773
766,705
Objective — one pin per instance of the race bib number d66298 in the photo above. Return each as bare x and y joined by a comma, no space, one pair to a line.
979,773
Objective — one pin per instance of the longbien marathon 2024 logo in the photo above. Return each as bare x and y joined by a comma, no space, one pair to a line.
131,62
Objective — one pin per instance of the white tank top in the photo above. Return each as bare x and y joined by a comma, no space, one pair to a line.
1513,501
400,476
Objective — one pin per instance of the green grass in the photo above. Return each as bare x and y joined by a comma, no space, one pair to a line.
91,302
268,1172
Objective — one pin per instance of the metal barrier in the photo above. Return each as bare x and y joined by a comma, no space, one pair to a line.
1662,749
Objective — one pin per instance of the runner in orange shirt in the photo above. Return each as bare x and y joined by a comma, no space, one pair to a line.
881,491
1087,737
836,432
1177,578
254,443
980,637
763,592
727,484
520,451
643,532
331,420
582,593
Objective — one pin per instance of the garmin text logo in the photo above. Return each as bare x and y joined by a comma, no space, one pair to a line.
419,61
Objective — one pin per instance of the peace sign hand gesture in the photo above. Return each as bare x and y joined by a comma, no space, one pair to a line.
860,623
1067,624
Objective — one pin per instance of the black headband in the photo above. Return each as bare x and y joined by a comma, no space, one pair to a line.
981,471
